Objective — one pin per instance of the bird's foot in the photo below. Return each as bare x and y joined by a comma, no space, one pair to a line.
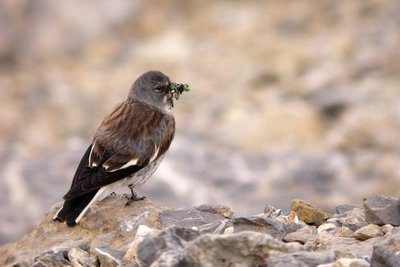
133,197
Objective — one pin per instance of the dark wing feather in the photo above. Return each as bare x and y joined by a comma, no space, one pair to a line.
84,163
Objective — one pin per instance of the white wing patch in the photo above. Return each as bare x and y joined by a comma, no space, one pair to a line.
128,164
90,156
155,154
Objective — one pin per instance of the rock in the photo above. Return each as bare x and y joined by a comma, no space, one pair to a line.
326,242
81,258
384,257
171,239
382,210
353,219
190,217
345,208
283,260
108,225
271,211
50,258
326,227
247,248
108,256
308,212
142,232
302,258
206,237
216,209
65,247
387,228
303,235
344,232
367,232
264,224
346,262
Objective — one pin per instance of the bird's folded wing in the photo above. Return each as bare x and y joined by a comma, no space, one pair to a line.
100,167
95,178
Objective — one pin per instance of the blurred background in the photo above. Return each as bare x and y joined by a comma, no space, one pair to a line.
296,99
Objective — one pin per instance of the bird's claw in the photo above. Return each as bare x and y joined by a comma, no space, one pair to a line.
133,197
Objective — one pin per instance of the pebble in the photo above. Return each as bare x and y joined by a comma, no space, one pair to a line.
367,232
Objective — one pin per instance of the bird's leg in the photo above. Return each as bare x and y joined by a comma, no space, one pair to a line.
133,196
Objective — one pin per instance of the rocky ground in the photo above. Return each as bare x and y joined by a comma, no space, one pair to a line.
290,99
148,234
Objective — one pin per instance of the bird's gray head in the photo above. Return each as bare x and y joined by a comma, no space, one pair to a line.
154,88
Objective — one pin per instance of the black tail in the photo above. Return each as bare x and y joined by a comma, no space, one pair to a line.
73,208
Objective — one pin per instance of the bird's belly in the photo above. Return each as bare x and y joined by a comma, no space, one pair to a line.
135,180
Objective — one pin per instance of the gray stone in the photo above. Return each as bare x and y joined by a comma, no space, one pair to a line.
283,260
188,217
216,209
353,219
303,235
302,258
170,239
217,227
345,208
264,224
384,257
170,258
247,248
382,210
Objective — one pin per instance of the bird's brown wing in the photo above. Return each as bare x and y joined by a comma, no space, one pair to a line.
127,140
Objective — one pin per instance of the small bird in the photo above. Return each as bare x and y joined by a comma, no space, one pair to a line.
127,147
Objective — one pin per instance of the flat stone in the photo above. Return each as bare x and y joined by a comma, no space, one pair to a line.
303,235
308,212
216,209
248,248
189,217
384,257
264,224
367,232
382,210
299,237
217,227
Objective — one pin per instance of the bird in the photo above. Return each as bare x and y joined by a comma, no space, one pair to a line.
127,147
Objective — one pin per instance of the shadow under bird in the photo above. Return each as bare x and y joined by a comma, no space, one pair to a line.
127,147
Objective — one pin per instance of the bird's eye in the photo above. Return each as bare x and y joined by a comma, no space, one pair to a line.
158,88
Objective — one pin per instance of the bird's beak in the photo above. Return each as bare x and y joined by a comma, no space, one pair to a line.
178,88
